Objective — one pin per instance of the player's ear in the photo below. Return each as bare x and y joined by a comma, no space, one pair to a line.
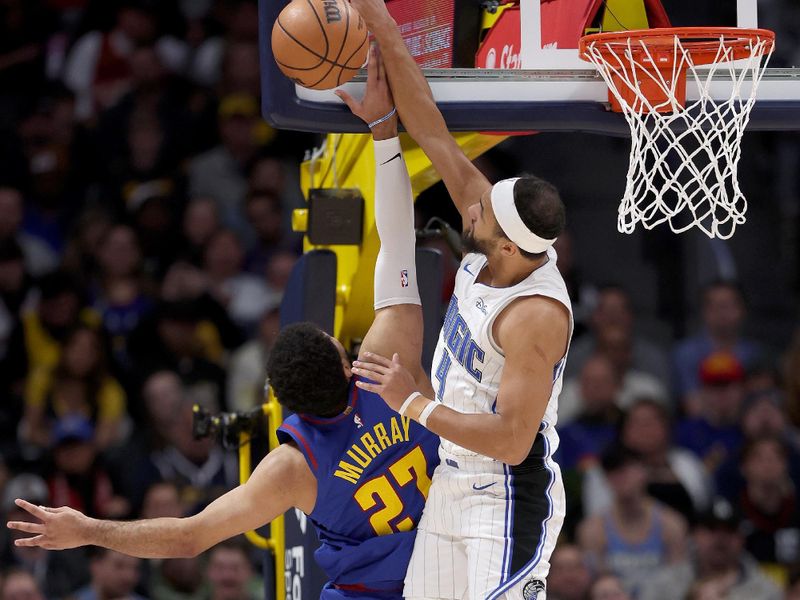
508,248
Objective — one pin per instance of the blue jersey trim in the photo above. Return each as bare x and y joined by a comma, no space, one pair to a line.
537,556
302,443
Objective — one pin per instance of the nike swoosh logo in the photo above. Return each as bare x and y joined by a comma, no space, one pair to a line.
391,159
467,270
478,488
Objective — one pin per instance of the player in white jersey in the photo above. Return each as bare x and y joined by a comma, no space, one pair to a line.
497,503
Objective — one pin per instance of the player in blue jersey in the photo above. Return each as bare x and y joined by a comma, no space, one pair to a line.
359,470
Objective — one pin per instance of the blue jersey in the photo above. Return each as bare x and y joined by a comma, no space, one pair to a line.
373,470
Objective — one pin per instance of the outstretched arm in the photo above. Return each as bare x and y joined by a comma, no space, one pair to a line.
419,113
281,481
398,325
533,334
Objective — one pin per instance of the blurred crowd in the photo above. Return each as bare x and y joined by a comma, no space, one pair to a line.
144,250
680,461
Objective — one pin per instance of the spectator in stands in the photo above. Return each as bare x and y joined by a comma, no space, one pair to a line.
608,586
177,578
79,385
15,293
83,246
711,429
613,311
114,576
17,584
60,308
582,294
240,72
170,340
245,296
791,377
272,174
770,508
56,573
78,478
119,294
723,312
718,557
39,257
675,476
265,214
162,499
279,270
637,534
240,24
247,367
98,67
569,577
24,31
216,332
220,172
584,439
764,415
230,572
199,468
598,416
615,342
163,396
793,588
200,223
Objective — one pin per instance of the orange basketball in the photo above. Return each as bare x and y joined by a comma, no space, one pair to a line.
319,44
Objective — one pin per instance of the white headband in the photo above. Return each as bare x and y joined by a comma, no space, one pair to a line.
505,211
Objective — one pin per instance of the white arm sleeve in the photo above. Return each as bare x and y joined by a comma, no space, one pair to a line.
395,268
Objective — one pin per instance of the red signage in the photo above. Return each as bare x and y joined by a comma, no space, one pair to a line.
427,28
501,46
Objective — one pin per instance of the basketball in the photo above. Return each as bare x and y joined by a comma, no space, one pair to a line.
319,44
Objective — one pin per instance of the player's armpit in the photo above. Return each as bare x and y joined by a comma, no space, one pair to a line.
281,481
533,334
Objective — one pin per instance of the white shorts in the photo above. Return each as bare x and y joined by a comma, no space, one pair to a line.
487,531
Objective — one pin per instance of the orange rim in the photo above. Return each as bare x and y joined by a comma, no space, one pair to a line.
703,43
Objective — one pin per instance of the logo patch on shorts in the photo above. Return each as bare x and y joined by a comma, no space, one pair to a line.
532,589
404,278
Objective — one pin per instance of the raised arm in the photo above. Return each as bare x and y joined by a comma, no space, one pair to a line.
419,112
533,334
398,325
281,481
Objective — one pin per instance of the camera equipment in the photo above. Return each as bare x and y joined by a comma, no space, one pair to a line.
228,426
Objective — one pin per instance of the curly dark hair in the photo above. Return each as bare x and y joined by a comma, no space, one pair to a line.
540,208
305,371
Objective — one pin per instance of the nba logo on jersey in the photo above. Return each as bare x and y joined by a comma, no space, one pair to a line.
404,278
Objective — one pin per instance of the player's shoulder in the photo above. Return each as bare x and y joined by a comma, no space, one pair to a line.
534,311
529,318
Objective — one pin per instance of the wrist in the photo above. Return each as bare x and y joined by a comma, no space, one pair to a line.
88,531
385,131
416,407
382,26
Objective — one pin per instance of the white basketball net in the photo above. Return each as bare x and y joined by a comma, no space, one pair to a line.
683,163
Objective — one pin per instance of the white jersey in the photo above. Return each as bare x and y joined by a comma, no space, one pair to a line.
468,364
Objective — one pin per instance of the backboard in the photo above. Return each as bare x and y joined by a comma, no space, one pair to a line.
533,79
